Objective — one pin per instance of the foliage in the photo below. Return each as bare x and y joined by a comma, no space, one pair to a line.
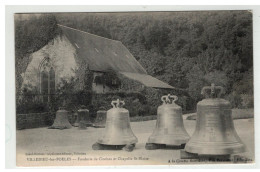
109,78
242,95
153,99
30,104
129,84
197,80
71,98
135,102
31,34
188,50
28,101
247,100
88,78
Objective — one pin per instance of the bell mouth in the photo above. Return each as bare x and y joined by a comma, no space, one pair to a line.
171,140
215,148
118,142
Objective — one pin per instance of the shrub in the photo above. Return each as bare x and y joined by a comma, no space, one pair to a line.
247,100
234,99
135,102
30,104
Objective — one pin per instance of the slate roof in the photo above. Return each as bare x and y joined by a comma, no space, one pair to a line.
102,54
147,80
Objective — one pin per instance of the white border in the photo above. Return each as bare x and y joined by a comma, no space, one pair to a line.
10,71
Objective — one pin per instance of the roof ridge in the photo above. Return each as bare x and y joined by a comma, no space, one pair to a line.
88,33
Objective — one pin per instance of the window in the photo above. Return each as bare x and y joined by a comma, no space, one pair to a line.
52,81
47,80
44,85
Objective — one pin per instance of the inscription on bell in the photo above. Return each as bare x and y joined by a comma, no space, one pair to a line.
215,133
212,122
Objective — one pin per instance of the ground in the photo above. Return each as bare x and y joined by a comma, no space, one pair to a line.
75,141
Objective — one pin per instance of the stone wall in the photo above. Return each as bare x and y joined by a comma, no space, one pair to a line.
62,57
36,120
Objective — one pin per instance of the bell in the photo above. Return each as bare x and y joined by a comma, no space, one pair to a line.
82,125
83,117
100,121
215,133
118,130
169,128
61,121
76,123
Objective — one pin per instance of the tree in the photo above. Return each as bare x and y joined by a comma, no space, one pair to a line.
31,34
188,50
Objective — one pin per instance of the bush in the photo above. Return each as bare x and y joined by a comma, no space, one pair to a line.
234,99
30,104
134,101
153,98
247,101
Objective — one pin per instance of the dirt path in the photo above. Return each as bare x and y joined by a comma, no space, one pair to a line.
74,142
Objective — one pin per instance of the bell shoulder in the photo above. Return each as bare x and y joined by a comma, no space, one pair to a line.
214,102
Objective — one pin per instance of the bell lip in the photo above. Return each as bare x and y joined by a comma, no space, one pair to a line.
215,150
117,143
61,126
98,126
62,110
86,122
177,141
101,111
131,139
83,110
76,124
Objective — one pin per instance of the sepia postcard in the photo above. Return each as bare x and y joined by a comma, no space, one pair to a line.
134,88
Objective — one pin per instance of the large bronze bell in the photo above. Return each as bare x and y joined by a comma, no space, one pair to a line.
169,128
215,133
118,131
83,118
61,121
100,120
